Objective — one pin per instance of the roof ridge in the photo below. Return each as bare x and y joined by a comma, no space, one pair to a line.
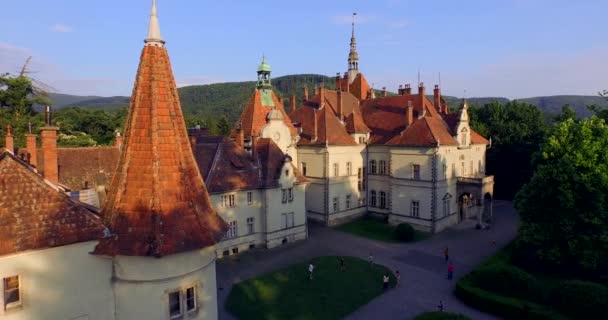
218,150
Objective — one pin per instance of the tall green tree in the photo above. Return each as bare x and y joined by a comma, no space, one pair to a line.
517,129
223,127
564,207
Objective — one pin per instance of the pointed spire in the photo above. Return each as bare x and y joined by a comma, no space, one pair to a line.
353,56
154,37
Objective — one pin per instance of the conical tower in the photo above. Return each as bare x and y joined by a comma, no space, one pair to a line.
353,56
158,204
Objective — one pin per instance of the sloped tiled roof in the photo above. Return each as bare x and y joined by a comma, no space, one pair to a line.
452,121
359,87
253,117
355,123
34,215
157,204
271,160
330,130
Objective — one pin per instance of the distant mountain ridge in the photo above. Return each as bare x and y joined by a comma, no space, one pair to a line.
229,98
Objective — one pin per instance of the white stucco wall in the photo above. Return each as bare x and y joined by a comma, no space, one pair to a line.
142,284
61,283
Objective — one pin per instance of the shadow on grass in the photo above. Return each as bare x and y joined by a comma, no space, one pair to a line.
376,229
289,293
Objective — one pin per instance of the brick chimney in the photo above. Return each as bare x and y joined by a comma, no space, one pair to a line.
384,94
400,91
446,110
240,135
338,81
340,109
407,90
316,91
347,82
9,141
315,125
118,140
254,151
437,94
48,135
321,95
409,119
305,92
421,90
30,145
292,103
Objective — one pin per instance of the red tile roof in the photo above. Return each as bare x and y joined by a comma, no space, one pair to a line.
34,215
330,130
271,159
157,204
359,87
452,121
355,123
253,117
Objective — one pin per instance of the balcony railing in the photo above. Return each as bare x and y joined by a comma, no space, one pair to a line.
476,180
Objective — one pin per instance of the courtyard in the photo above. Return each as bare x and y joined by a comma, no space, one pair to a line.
421,264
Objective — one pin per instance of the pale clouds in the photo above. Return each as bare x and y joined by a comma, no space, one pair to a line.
61,28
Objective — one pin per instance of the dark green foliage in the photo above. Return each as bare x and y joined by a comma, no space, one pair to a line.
441,316
98,124
223,127
377,229
508,281
405,232
289,293
504,307
564,207
517,130
580,299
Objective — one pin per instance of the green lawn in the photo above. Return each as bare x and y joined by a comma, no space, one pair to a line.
376,229
290,294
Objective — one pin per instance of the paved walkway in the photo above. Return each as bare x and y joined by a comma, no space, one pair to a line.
421,264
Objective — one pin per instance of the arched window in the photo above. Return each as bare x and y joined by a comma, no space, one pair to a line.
372,201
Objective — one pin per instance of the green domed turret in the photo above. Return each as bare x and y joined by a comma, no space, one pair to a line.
264,66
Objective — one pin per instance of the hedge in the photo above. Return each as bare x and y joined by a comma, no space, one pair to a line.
405,232
508,281
505,307
580,299
441,316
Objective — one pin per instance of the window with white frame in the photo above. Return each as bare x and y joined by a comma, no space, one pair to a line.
249,197
372,201
383,200
288,220
363,180
347,203
360,179
250,226
232,231
12,292
416,172
284,195
229,200
175,305
182,301
336,204
446,206
415,209
190,299
349,168
290,194
336,170
382,167
372,165
303,168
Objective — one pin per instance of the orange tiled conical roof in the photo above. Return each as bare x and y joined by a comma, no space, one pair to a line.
157,203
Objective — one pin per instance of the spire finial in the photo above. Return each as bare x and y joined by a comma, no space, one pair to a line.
353,34
154,37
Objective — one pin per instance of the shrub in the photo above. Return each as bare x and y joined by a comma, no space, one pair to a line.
441,316
508,281
405,232
580,299
505,307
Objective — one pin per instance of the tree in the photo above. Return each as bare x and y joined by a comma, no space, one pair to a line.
567,113
517,130
564,207
223,127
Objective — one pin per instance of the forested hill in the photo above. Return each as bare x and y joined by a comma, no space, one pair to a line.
210,102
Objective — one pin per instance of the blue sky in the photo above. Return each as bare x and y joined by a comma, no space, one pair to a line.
512,48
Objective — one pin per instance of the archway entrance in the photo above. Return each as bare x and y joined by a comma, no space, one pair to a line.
464,202
488,216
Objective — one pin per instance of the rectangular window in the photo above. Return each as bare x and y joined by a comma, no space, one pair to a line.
190,299
349,168
250,227
472,172
453,170
415,209
446,207
229,200
360,179
12,294
232,231
284,195
175,305
372,165
382,167
288,220
290,194
336,170
383,200
304,168
249,197
462,172
363,180
336,205
372,201
416,172
348,197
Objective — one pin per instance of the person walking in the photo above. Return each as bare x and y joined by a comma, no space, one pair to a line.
371,260
440,306
342,265
450,270
311,268
398,275
385,281
446,254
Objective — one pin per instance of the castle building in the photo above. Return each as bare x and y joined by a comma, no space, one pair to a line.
404,157
148,254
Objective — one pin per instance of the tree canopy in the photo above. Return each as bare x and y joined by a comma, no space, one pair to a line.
564,207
